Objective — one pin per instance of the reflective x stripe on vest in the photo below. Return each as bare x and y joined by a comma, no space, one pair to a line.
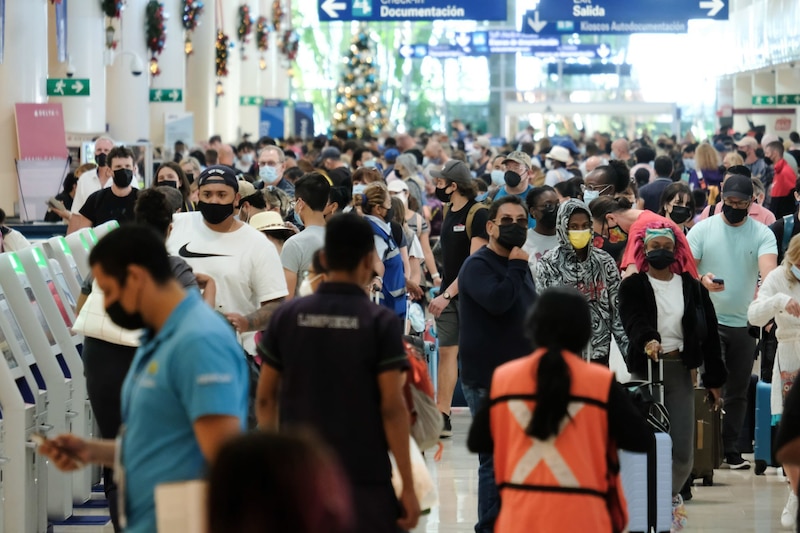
542,451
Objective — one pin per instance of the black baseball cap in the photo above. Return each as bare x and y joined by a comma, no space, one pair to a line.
741,170
738,186
219,174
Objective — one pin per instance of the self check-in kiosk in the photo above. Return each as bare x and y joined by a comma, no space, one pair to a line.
56,248
55,355
104,229
24,405
80,244
59,314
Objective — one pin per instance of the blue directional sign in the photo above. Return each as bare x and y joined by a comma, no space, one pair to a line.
620,16
304,120
576,69
383,10
272,119
482,43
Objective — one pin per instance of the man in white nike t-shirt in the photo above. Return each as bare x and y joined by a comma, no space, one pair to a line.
245,266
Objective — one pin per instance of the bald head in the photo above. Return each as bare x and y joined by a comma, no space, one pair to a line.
225,155
621,149
405,142
594,162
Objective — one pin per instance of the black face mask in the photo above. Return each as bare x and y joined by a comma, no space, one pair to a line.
389,215
680,214
397,174
614,249
512,236
190,177
168,183
101,159
743,155
442,195
215,213
734,216
660,259
768,161
123,177
548,219
512,178
124,319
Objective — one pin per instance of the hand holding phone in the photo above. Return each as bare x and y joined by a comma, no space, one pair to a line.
718,281
66,451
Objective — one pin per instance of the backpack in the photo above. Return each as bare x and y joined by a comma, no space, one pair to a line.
470,215
393,292
426,421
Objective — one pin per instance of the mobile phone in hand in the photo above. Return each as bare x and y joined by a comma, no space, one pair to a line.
718,281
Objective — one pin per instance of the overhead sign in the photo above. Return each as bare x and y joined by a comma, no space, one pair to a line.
251,100
67,87
780,99
576,69
480,43
166,95
410,10
534,23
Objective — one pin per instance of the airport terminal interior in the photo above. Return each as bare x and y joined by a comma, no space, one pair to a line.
562,106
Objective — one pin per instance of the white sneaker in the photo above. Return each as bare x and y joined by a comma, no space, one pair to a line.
789,514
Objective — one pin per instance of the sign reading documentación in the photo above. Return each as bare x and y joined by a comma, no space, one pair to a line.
410,10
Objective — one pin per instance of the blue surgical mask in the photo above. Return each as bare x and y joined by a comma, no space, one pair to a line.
796,272
688,164
369,163
268,174
588,196
297,220
498,177
359,188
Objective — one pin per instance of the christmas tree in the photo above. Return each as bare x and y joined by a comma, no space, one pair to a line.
360,108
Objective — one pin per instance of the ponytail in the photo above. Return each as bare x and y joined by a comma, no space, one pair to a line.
553,383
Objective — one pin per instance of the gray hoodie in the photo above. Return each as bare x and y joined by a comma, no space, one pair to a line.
597,278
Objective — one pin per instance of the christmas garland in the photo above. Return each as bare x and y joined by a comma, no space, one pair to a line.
277,14
155,32
262,40
222,54
112,8
245,24
289,44
192,9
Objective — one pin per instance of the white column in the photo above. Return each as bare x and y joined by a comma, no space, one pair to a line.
265,76
742,99
127,105
200,76
85,45
23,75
172,62
227,111
251,79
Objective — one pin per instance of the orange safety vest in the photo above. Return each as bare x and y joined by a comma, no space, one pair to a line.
559,484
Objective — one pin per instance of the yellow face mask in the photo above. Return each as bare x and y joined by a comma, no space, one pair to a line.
579,239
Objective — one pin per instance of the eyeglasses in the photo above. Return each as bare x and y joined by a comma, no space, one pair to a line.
507,221
737,204
597,188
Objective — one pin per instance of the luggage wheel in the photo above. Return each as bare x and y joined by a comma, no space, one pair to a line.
761,467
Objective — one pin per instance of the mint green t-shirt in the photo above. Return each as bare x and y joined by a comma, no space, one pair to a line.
731,253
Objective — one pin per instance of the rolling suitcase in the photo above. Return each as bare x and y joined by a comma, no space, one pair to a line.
708,450
764,429
647,477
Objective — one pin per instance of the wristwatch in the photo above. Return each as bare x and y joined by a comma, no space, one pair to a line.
446,295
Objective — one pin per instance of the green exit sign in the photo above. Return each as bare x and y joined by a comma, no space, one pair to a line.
67,87
251,100
779,99
166,95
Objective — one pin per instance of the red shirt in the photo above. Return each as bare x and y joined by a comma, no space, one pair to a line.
784,180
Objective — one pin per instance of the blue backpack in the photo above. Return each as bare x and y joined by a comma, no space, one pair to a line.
393,294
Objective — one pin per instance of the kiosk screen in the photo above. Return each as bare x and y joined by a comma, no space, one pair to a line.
6,310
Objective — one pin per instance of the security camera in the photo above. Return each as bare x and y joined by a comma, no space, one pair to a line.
137,67
70,70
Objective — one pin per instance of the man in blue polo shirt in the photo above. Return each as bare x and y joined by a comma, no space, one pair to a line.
335,362
186,392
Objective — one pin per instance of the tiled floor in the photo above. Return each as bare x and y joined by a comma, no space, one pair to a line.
738,501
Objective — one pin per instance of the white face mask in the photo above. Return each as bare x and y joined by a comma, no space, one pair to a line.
306,287
548,164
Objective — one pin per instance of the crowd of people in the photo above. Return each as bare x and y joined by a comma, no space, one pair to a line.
532,259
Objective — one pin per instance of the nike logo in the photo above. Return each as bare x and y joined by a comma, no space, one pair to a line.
184,252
